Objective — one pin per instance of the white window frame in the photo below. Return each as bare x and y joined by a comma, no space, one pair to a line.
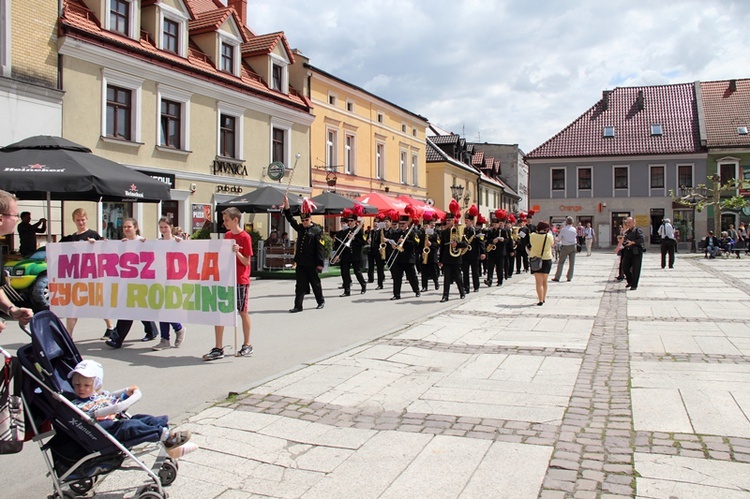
616,189
729,161
225,39
165,92
286,126
578,187
174,15
692,174
5,38
350,153
238,113
662,189
403,158
135,85
414,169
275,60
134,28
552,190
332,149
380,118
380,160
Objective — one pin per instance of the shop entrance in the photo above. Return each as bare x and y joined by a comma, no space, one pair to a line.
618,221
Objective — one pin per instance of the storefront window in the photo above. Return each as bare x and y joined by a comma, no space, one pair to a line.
683,225
112,216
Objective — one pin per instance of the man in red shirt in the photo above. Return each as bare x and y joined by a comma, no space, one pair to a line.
243,250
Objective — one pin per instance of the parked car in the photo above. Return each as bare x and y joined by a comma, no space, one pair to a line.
27,285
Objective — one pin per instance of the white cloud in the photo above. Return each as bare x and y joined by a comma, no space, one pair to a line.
511,71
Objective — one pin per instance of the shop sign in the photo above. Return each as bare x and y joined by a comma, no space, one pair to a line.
166,178
201,214
567,207
276,170
229,168
232,189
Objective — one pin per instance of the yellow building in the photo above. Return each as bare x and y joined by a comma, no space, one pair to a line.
360,143
182,90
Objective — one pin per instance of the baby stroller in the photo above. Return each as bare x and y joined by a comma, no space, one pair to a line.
76,449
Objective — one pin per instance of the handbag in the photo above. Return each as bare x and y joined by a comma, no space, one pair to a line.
11,409
535,262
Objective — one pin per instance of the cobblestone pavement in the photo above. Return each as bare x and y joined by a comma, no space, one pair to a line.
602,393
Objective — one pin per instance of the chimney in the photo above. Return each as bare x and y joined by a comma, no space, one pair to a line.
732,85
605,99
639,100
241,7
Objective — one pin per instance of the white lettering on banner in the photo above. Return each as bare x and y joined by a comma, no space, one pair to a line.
164,281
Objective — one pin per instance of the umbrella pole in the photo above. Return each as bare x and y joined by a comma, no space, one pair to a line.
49,217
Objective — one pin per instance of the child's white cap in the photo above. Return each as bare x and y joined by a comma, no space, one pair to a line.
90,369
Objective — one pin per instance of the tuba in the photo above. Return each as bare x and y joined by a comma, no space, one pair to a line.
457,235
515,236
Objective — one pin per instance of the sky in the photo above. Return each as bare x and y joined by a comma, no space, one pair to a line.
511,71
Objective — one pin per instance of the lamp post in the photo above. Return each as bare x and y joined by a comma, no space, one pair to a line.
457,192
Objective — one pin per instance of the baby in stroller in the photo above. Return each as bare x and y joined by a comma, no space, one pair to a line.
87,380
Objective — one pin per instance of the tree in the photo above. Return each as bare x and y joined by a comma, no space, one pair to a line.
702,196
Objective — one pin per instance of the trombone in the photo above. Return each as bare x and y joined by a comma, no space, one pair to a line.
399,248
346,243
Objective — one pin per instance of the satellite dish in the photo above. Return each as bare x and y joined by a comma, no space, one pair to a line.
430,201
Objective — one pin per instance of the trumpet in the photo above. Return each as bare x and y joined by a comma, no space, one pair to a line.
347,243
399,248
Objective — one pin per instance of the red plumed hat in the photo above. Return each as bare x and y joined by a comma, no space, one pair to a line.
358,210
346,214
481,220
532,213
512,218
455,208
501,215
409,210
308,206
393,215
472,213
522,215
427,216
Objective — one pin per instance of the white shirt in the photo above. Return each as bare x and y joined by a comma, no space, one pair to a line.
567,235
666,231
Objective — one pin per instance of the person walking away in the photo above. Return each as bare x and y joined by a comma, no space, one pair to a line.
580,237
308,257
540,246
589,239
568,241
668,242
27,233
167,234
83,233
243,251
8,220
633,246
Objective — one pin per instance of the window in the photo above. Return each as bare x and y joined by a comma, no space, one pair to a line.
332,144
119,113
349,154
350,106
656,129
277,77
727,172
403,173
685,176
657,177
332,99
171,124
414,132
228,136
278,141
414,169
381,118
742,130
119,16
380,161
171,36
609,131
584,179
227,58
5,38
403,127
558,179
621,177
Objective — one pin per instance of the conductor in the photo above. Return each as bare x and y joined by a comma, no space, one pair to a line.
308,256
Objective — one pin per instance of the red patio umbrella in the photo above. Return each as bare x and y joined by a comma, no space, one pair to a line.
421,206
382,203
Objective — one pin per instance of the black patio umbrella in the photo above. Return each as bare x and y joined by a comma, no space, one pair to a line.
330,203
46,167
262,200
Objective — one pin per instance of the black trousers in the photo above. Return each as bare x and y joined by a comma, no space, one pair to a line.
522,257
470,268
508,265
307,277
374,261
429,273
397,271
346,276
495,263
452,274
123,328
631,267
668,247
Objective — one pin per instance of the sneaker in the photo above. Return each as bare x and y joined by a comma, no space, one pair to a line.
162,345
177,452
179,336
214,354
245,351
177,438
108,334
150,337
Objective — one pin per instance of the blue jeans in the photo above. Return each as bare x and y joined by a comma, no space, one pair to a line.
137,429
164,328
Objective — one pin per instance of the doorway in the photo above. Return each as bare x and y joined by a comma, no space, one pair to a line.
657,215
618,221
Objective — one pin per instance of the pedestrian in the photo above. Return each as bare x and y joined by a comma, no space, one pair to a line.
309,258
589,238
83,233
8,220
166,229
568,240
132,233
348,244
668,243
540,246
27,233
580,237
632,253
243,251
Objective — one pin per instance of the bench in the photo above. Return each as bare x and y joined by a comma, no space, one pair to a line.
736,249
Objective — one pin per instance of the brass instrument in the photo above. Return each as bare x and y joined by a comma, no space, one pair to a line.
490,247
347,243
399,248
468,243
426,250
382,244
457,235
514,236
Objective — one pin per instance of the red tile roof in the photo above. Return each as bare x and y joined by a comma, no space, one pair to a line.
478,158
726,107
79,22
264,45
201,6
672,106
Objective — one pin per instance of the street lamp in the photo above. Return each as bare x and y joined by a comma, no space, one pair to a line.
457,192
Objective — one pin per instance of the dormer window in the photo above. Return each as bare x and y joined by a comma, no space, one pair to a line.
120,16
609,131
277,76
742,130
227,58
656,129
170,40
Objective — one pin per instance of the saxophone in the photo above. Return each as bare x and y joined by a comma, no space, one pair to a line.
426,250
468,242
382,244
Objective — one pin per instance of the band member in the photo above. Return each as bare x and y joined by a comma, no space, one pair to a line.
511,243
480,224
348,245
376,254
522,257
451,244
308,256
497,238
429,253
475,251
405,244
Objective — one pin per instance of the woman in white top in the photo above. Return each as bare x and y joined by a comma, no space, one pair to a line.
540,246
